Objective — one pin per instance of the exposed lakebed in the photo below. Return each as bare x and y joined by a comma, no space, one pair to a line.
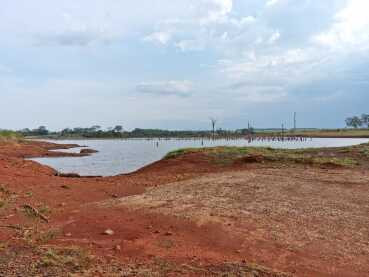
125,156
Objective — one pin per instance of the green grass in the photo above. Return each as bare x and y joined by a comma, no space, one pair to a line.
177,153
9,135
312,156
222,150
355,133
364,150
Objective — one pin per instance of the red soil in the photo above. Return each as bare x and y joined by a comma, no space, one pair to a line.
140,236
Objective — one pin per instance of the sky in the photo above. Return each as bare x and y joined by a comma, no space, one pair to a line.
173,64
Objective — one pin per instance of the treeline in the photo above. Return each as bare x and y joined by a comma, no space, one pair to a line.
358,121
118,132
89,132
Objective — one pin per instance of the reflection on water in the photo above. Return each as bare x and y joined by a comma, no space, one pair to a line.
124,156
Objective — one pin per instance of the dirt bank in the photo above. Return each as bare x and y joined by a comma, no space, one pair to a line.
220,212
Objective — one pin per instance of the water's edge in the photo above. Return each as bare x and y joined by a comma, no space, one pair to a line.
117,157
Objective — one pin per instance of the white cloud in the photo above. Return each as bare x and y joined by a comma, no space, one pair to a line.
350,31
173,87
247,20
209,22
114,19
190,45
159,37
261,94
266,64
274,37
217,10
271,3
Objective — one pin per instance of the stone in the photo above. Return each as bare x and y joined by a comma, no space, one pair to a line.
108,232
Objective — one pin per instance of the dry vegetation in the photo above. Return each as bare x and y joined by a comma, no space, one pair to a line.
345,156
332,133
6,136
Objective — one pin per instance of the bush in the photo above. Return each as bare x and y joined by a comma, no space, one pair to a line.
9,135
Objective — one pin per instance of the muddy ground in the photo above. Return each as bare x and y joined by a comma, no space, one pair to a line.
218,212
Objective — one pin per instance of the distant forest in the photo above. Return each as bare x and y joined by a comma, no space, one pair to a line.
353,123
119,132
358,121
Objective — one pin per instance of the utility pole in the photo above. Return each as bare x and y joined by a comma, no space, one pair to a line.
282,130
294,121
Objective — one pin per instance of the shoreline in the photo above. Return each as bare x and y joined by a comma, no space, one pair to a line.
76,173
188,211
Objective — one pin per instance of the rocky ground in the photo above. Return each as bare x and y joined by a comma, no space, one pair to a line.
215,212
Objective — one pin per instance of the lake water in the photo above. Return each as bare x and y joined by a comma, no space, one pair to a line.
125,156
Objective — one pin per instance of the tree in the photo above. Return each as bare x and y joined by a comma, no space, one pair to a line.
365,120
66,131
25,131
354,122
95,128
40,131
118,128
213,122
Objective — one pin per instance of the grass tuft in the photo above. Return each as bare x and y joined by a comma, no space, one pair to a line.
75,259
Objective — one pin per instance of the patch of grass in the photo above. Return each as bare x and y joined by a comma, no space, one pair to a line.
166,243
6,135
74,259
29,213
4,190
220,150
333,161
5,196
312,156
359,133
227,155
48,235
365,151
22,260
45,210
308,158
180,152
41,212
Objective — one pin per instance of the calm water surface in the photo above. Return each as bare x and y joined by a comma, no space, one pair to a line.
124,156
